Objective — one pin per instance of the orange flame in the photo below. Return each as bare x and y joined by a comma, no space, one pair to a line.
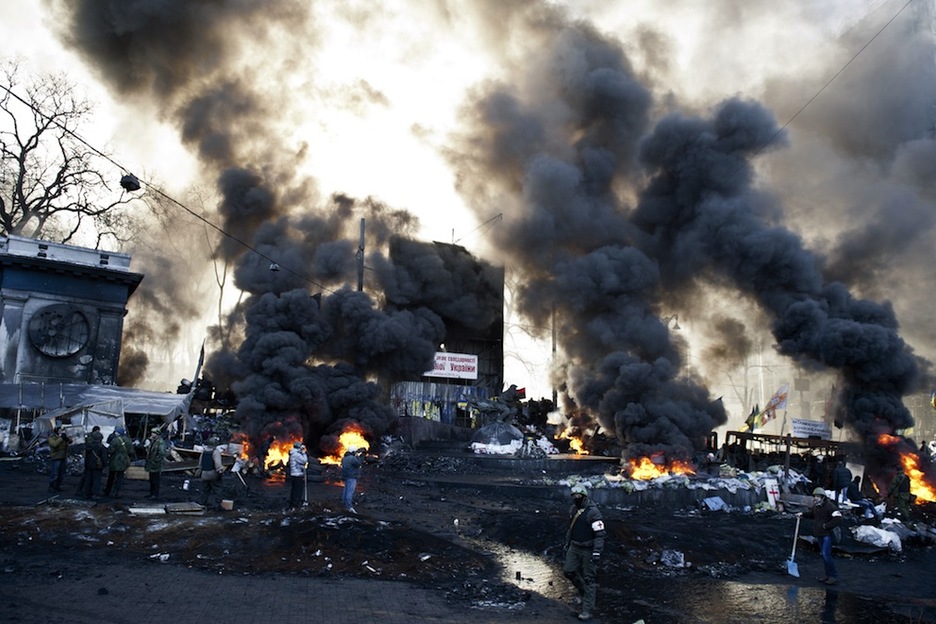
576,443
919,487
645,469
278,452
353,435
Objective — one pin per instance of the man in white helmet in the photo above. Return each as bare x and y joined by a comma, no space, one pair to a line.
583,546
350,472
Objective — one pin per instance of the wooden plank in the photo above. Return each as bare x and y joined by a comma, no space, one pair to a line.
147,511
189,509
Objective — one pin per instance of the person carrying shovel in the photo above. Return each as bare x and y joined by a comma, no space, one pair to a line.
826,516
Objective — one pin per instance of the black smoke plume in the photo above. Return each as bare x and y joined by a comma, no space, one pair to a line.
603,225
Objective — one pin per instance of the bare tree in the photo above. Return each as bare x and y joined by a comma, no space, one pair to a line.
52,184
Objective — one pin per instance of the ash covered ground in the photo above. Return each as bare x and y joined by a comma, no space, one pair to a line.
504,548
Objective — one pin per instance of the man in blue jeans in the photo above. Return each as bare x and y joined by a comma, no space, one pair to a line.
350,471
826,516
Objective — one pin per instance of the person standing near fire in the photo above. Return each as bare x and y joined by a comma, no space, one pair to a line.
350,472
841,478
899,490
155,457
826,516
211,466
583,545
298,460
58,455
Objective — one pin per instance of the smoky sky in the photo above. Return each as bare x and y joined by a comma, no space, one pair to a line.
310,346
620,203
604,224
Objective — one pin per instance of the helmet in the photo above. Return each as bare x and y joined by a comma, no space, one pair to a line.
297,444
213,441
120,431
579,490
819,492
352,449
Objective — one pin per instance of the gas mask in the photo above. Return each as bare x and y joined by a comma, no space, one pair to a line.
578,500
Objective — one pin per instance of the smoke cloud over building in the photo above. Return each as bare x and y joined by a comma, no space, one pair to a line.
623,200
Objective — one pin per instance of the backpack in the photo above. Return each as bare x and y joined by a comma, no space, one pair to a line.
207,461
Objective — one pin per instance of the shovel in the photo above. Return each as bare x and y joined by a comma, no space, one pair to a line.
791,567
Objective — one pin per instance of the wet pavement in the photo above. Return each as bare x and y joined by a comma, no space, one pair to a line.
405,560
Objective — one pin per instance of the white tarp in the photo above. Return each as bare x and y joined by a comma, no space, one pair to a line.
166,406
877,537
107,415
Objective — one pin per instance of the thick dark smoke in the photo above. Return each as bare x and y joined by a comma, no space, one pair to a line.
311,346
307,359
605,267
619,205
560,156
702,216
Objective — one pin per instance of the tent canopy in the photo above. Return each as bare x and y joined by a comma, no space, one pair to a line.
45,397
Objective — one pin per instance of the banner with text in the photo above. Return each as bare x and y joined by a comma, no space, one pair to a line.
811,429
454,366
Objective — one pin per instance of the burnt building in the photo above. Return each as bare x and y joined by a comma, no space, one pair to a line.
63,309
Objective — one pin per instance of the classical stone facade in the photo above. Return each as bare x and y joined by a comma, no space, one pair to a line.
62,312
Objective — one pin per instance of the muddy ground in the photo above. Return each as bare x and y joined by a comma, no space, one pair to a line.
503,547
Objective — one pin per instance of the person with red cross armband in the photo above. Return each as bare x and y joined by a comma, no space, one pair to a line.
584,543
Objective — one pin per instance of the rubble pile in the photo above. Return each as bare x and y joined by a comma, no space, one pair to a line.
731,480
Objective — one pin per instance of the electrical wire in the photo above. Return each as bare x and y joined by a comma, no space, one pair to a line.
821,89
158,191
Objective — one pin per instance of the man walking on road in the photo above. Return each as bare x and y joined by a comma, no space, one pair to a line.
584,543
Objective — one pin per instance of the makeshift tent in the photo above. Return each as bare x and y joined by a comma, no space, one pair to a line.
107,415
96,400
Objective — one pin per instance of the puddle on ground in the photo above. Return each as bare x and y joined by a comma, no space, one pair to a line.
691,599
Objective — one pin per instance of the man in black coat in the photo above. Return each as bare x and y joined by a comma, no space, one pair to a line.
826,516
95,460
584,543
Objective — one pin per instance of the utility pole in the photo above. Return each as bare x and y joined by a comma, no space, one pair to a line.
360,259
555,394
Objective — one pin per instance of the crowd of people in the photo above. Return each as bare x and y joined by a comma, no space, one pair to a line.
105,466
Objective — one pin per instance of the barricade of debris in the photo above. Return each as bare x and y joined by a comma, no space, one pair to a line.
729,479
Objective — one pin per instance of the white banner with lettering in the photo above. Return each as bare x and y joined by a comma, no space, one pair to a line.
811,428
454,366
